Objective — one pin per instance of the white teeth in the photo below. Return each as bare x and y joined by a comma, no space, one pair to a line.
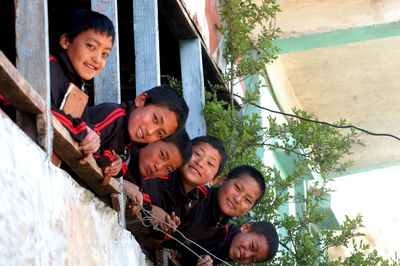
90,66
140,133
195,171
238,254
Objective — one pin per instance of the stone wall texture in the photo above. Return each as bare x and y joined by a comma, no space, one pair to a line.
46,218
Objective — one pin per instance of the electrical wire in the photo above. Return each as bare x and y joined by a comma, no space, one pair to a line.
322,122
150,217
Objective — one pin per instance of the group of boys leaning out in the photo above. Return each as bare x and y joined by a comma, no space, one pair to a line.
165,173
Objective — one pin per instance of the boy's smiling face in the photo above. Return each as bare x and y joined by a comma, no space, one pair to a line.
248,247
149,123
159,158
202,166
88,52
237,196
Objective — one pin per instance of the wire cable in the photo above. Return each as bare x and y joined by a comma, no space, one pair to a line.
322,122
149,216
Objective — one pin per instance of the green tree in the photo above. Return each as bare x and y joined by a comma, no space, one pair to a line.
249,29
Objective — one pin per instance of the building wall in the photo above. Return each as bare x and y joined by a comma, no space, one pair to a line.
46,218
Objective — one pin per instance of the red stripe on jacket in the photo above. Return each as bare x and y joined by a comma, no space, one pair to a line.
109,119
68,124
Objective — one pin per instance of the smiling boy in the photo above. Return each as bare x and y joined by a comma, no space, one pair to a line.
153,115
243,188
86,42
177,192
246,244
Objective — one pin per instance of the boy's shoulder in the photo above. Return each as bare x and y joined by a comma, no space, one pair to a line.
109,111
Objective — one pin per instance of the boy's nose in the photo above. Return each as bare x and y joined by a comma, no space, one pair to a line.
199,162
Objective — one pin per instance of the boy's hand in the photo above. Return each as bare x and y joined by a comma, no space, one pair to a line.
89,145
205,260
167,223
135,198
112,170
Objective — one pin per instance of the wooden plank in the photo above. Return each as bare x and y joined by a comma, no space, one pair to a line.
17,90
108,83
183,27
147,52
67,148
178,19
193,85
32,48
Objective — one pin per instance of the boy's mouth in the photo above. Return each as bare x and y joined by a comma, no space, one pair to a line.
231,205
92,67
140,133
194,171
149,171
238,254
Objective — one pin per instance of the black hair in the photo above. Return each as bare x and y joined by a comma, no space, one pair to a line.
82,20
238,171
170,98
182,142
268,230
216,144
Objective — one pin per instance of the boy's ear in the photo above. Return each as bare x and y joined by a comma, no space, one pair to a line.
64,41
140,100
214,181
245,227
222,179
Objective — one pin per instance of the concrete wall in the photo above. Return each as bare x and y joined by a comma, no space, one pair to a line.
47,219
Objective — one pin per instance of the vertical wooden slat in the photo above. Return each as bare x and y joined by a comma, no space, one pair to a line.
33,63
147,55
107,84
193,85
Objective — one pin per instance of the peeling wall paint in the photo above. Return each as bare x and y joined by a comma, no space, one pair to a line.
46,218
205,15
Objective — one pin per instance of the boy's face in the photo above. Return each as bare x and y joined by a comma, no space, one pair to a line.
159,158
248,247
88,52
237,196
203,165
149,123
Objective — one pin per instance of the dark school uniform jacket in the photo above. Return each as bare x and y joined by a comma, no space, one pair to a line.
168,193
61,74
109,121
200,224
218,245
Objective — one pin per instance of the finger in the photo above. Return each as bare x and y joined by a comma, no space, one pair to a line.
85,158
106,180
177,221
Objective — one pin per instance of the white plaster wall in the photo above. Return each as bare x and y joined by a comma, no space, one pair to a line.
47,219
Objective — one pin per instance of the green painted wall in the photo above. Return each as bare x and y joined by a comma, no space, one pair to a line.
338,37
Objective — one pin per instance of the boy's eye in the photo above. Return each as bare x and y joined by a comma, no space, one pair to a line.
105,55
162,155
155,119
169,170
90,46
249,201
237,187
210,164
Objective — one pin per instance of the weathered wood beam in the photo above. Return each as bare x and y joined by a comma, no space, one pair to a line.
183,27
67,148
193,85
108,83
147,47
15,88
32,47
